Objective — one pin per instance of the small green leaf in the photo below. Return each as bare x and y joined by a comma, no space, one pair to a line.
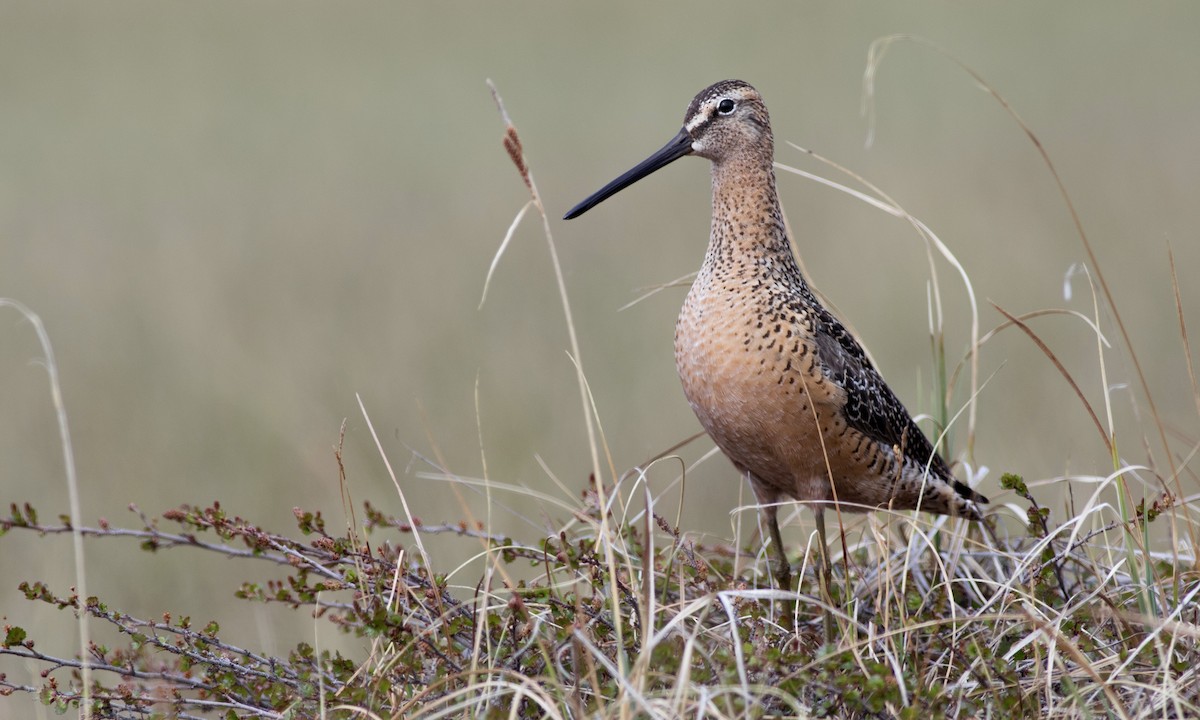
14,636
1012,481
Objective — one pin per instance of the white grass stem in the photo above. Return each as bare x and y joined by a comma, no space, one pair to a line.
508,236
416,530
68,452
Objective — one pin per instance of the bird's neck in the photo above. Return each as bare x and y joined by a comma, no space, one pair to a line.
747,223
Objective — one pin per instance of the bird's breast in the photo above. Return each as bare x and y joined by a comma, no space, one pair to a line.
749,369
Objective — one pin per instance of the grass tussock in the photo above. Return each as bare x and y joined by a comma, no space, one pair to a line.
614,609
620,614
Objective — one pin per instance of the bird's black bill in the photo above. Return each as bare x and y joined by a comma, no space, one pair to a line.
679,146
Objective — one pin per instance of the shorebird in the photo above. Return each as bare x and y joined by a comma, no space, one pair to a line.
779,384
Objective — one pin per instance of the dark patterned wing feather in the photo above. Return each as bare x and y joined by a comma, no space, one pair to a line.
871,406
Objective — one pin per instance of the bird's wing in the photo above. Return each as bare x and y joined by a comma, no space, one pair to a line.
871,406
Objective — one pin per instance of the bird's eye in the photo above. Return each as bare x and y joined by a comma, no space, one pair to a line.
726,106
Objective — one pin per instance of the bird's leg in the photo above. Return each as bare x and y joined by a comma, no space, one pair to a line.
783,570
768,508
823,572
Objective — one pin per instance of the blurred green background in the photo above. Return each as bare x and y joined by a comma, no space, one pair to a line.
233,217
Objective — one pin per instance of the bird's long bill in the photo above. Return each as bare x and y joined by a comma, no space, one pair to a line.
679,146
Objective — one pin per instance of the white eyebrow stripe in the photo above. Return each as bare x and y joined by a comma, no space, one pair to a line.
696,121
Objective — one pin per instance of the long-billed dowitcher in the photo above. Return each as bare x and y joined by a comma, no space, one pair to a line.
780,385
